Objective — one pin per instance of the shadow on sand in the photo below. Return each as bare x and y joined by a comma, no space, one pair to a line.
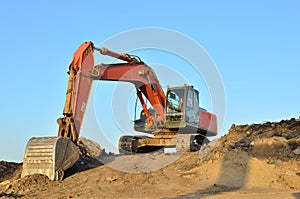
233,175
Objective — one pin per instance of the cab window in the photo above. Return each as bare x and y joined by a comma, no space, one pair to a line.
175,100
189,100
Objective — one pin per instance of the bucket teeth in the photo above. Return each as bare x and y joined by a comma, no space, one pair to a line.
49,156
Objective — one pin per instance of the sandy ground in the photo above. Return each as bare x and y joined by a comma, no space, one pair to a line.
250,161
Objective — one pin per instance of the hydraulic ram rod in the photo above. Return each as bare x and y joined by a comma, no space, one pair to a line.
124,57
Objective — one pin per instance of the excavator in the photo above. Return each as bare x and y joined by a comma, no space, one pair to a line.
174,118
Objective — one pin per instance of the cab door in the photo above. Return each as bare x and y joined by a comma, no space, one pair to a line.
192,106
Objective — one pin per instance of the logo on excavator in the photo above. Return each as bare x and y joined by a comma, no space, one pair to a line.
83,105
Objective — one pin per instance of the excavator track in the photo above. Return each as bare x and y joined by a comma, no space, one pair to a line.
49,156
183,142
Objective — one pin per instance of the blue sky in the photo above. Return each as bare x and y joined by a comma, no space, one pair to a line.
254,44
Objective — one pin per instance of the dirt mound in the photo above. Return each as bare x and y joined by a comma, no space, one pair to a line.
10,170
277,140
18,188
29,182
256,155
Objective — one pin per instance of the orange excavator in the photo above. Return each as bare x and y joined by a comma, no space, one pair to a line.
174,118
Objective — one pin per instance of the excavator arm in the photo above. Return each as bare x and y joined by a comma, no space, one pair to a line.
51,156
78,90
82,73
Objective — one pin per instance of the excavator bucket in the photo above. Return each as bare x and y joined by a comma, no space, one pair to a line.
49,156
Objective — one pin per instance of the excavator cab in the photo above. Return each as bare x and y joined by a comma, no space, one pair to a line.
182,108
184,115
